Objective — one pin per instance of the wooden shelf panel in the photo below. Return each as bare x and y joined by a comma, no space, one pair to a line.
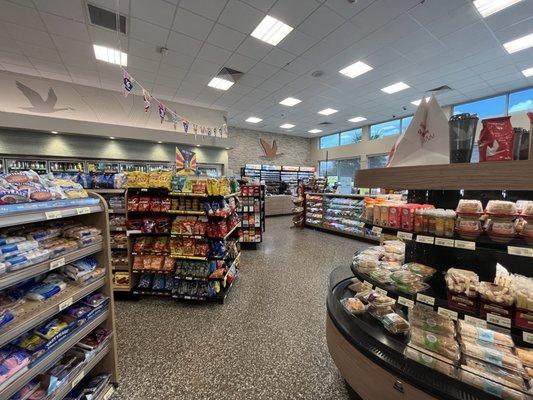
509,175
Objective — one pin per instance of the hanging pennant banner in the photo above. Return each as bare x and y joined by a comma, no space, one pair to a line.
146,98
202,130
161,112
185,161
128,85
186,126
174,117
195,128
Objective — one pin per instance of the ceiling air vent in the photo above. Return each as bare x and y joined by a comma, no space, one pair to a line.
443,88
325,123
106,19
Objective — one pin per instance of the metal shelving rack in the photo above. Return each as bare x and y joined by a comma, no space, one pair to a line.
257,209
31,314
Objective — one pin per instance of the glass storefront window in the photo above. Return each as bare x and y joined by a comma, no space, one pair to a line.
384,129
486,108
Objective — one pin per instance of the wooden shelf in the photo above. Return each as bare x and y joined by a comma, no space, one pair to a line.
509,175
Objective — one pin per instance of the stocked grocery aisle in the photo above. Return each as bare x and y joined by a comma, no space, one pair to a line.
267,341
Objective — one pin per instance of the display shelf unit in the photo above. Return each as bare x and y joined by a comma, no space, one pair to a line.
273,175
91,211
251,208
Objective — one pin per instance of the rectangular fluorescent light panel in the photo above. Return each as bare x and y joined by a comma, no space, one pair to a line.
397,87
356,69
253,120
489,7
219,83
315,131
287,126
528,72
328,111
271,30
417,102
357,119
290,101
525,42
110,55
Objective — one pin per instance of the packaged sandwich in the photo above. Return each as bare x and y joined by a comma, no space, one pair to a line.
353,306
491,387
431,321
430,361
395,324
439,344
494,373
495,354
487,335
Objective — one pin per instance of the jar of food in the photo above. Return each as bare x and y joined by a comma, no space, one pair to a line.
432,221
440,222
419,220
425,220
449,223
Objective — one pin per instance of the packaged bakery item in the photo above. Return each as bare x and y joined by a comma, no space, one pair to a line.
472,207
501,208
377,300
496,140
412,287
404,277
420,269
353,305
439,344
430,361
431,321
494,373
495,299
9,250
395,324
381,276
26,259
462,281
380,312
468,227
487,335
491,387
12,360
356,285
492,353
526,355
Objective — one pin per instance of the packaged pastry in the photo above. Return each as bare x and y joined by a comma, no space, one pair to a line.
439,344
381,276
395,324
380,312
430,361
377,300
499,207
494,373
491,387
431,321
420,269
462,281
353,305
495,293
403,277
486,335
356,285
491,353
526,355
466,206
412,287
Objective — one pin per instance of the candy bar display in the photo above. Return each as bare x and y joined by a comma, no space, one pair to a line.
251,210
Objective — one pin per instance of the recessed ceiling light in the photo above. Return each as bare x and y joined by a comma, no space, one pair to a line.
522,43
110,55
489,7
271,30
159,141
112,137
357,119
253,120
290,101
356,69
287,126
397,87
417,102
528,72
315,131
220,83
328,111
55,132
197,145
227,148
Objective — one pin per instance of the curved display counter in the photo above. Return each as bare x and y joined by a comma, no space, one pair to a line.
372,360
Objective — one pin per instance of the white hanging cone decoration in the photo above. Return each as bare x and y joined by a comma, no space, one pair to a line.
426,141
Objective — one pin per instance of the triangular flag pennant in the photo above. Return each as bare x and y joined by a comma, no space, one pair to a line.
146,97
220,131
174,117
161,112
195,128
208,131
128,85
186,126
202,130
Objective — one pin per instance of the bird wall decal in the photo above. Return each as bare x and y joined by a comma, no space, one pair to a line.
271,150
39,105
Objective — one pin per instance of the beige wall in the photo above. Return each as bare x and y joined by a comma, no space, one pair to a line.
292,150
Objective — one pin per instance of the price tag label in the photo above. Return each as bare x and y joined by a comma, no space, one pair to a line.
520,251
83,210
381,291
109,393
187,297
481,323
528,337
65,304
144,190
53,214
465,244
367,284
444,242
447,313
425,239
404,235
498,320
425,299
57,263
132,232
110,211
406,302
78,378
377,230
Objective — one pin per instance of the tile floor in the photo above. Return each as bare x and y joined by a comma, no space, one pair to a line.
266,342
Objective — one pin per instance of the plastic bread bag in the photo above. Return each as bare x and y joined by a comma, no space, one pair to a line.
353,306
431,321
80,232
494,354
14,196
381,276
26,259
89,240
95,300
429,361
11,239
395,323
45,291
439,344
41,234
494,373
12,360
58,247
492,387
9,250
485,335
6,317
51,328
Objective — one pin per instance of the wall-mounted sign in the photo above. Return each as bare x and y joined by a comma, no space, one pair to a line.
271,150
185,161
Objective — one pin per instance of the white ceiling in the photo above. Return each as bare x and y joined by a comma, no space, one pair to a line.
424,44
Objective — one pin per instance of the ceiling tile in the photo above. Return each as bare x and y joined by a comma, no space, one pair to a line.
293,13
56,76
143,49
28,35
164,92
321,22
433,10
183,44
42,53
178,59
214,54
241,16
511,15
347,9
278,57
299,66
75,58
147,32
66,27
476,33
171,73
65,8
516,30
14,59
142,63
454,20
254,48
225,37
240,63
124,5
43,65
192,24
264,70
201,66
263,5
297,42
157,12
251,80
20,15
207,8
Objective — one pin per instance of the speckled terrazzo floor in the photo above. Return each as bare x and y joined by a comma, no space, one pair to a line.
266,342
